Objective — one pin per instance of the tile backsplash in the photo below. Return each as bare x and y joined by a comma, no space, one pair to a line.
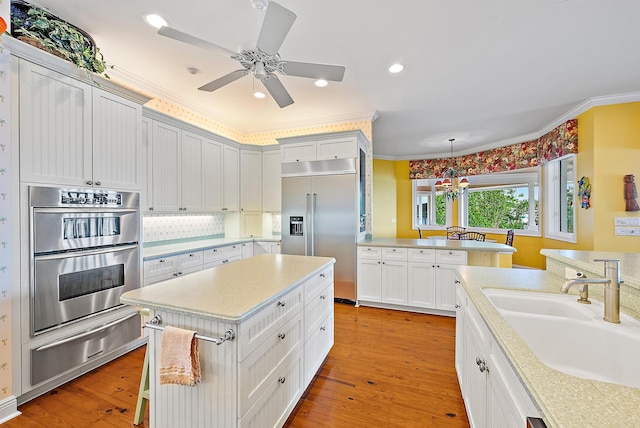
166,227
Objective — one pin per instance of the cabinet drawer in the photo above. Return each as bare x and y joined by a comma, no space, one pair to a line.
267,321
258,368
280,396
317,347
190,260
454,257
421,255
399,254
319,282
317,308
369,253
212,255
165,266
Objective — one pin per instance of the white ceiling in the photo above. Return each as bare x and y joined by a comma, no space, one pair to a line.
486,72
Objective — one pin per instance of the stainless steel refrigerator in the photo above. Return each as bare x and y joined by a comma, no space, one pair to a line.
321,217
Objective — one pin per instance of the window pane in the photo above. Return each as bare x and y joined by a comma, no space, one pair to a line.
504,208
422,209
441,210
566,195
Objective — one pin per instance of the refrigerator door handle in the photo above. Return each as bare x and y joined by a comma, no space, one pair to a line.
306,228
312,225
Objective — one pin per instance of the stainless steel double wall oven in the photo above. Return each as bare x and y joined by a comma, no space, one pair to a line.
85,252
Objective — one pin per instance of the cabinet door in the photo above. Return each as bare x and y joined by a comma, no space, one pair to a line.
422,285
394,282
231,179
369,281
247,249
55,127
251,180
271,182
146,197
475,393
445,287
274,248
118,156
338,148
460,357
165,161
212,175
298,152
191,189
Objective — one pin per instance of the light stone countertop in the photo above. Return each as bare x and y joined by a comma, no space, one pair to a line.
565,401
152,251
231,292
447,244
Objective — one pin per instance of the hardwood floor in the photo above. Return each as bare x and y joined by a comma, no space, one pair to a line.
386,369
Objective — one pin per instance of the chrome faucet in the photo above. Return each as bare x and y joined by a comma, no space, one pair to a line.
611,289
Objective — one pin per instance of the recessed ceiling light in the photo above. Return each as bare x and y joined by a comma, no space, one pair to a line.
154,20
321,83
259,94
396,68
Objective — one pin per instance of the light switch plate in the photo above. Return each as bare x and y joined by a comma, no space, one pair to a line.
627,221
628,231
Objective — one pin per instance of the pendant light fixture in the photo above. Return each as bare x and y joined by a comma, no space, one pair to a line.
451,184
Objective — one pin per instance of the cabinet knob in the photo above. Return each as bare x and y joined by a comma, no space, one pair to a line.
323,328
89,182
162,260
457,305
192,255
322,275
282,303
323,296
150,208
98,183
282,379
455,281
282,335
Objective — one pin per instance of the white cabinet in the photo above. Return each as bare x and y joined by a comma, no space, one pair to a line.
409,278
251,180
266,247
246,250
172,267
271,181
394,276
222,255
319,147
230,179
212,176
165,167
492,392
191,184
318,321
74,134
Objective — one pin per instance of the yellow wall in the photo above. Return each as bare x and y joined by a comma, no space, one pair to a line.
384,198
609,148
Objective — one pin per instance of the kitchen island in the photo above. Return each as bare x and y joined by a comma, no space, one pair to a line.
280,309
561,400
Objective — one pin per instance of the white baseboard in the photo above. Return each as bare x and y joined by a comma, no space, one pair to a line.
8,409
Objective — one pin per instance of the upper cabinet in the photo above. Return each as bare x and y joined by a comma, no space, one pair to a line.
187,170
73,133
271,181
319,147
251,180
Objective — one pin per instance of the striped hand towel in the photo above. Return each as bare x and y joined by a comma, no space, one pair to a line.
179,357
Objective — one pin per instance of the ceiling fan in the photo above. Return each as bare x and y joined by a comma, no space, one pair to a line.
263,61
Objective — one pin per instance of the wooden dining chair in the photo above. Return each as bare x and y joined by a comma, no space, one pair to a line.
510,234
420,233
454,232
475,236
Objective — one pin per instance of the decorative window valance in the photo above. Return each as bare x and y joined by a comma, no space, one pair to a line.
560,141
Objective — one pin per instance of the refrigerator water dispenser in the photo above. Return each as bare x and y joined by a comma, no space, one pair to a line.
296,226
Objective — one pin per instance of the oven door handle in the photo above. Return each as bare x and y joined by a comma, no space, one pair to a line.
83,253
84,210
86,333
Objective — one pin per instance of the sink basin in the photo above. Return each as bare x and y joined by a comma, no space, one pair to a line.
572,337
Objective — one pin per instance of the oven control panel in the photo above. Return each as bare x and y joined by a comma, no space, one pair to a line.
90,198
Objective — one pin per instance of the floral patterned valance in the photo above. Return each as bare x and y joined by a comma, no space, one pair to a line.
560,141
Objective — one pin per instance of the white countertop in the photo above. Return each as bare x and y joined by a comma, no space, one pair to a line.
566,401
448,244
152,251
230,292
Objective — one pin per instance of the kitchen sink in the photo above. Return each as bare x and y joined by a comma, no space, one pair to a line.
571,337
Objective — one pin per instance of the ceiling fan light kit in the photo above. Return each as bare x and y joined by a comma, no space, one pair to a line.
264,61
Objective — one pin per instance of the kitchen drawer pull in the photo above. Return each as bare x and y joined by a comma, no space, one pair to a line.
162,261
282,379
282,303
323,296
323,328
282,335
192,255
322,275
455,281
89,182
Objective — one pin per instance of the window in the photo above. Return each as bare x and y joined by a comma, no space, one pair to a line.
560,197
492,203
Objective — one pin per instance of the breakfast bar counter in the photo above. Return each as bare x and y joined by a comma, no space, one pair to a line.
279,309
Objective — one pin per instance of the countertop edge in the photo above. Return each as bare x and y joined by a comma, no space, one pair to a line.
436,244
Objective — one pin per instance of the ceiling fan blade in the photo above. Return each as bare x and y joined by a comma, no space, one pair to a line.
277,90
178,35
224,80
334,73
275,27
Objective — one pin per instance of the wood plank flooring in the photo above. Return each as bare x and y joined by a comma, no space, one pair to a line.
386,369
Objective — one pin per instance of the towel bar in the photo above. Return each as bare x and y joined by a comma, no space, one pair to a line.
154,324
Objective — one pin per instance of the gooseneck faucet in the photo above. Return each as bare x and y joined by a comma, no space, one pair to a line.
611,289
